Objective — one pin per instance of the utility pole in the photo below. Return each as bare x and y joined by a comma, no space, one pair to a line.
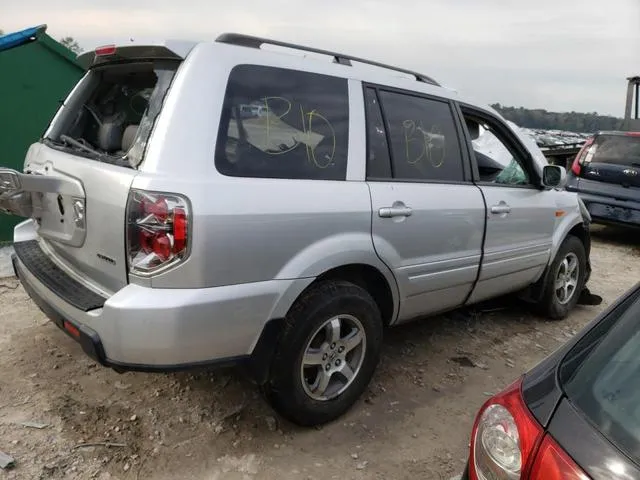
632,108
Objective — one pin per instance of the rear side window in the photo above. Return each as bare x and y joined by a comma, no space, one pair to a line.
424,139
615,149
279,123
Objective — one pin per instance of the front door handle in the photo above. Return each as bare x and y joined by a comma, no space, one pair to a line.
390,212
501,208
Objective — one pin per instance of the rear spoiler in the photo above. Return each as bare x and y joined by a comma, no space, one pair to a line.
170,50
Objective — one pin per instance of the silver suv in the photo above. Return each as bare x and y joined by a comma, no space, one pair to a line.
193,204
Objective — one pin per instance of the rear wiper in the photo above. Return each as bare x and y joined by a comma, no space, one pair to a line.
67,140
72,141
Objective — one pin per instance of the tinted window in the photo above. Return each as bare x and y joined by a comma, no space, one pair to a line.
279,123
497,161
424,140
605,384
617,149
378,161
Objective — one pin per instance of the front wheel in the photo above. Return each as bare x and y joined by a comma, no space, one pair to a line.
327,354
566,279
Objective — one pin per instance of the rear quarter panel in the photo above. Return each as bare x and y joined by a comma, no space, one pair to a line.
253,229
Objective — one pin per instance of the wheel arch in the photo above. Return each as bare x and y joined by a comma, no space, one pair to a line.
378,282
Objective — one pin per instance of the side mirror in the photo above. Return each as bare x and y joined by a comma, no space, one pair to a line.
554,176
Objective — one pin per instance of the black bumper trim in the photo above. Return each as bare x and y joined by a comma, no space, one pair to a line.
55,279
89,340
91,344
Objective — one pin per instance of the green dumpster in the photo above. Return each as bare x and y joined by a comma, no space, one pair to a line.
36,74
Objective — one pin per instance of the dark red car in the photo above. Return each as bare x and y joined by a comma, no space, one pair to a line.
575,416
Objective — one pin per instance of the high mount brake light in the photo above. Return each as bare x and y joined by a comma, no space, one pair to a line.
157,231
105,50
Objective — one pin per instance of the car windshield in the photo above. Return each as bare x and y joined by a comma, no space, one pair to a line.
616,149
604,385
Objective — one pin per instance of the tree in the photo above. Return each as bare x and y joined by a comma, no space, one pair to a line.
571,121
72,45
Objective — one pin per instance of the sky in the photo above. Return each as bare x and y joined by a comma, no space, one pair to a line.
561,55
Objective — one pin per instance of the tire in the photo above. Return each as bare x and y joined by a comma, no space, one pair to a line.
552,304
290,389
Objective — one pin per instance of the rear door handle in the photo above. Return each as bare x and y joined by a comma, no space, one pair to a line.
500,208
389,212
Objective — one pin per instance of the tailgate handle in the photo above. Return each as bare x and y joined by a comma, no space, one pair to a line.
12,182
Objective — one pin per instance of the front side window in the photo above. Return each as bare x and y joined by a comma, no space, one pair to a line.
497,161
279,123
424,139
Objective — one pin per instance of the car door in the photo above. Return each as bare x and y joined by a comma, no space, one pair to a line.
520,214
428,218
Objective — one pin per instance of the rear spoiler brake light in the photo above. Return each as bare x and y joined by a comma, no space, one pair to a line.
174,50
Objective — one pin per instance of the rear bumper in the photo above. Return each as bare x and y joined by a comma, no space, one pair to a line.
148,329
605,209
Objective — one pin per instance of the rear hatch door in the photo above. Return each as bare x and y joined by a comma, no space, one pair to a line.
77,178
611,167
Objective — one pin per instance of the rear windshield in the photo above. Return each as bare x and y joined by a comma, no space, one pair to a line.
616,149
110,114
606,383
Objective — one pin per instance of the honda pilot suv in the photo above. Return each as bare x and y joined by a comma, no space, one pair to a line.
606,175
196,204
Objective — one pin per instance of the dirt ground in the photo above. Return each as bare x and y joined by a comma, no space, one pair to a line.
414,421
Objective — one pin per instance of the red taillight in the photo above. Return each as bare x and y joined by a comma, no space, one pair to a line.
157,230
504,438
552,463
179,228
158,208
576,167
632,134
105,50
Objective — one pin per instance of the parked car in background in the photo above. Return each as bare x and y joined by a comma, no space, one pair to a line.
194,204
575,416
606,175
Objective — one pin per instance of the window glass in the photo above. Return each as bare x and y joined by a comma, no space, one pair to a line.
496,161
378,161
424,140
279,123
604,385
615,149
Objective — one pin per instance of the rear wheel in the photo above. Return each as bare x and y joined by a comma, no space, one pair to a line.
566,279
327,354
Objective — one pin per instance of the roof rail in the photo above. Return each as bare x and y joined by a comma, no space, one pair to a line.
257,42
